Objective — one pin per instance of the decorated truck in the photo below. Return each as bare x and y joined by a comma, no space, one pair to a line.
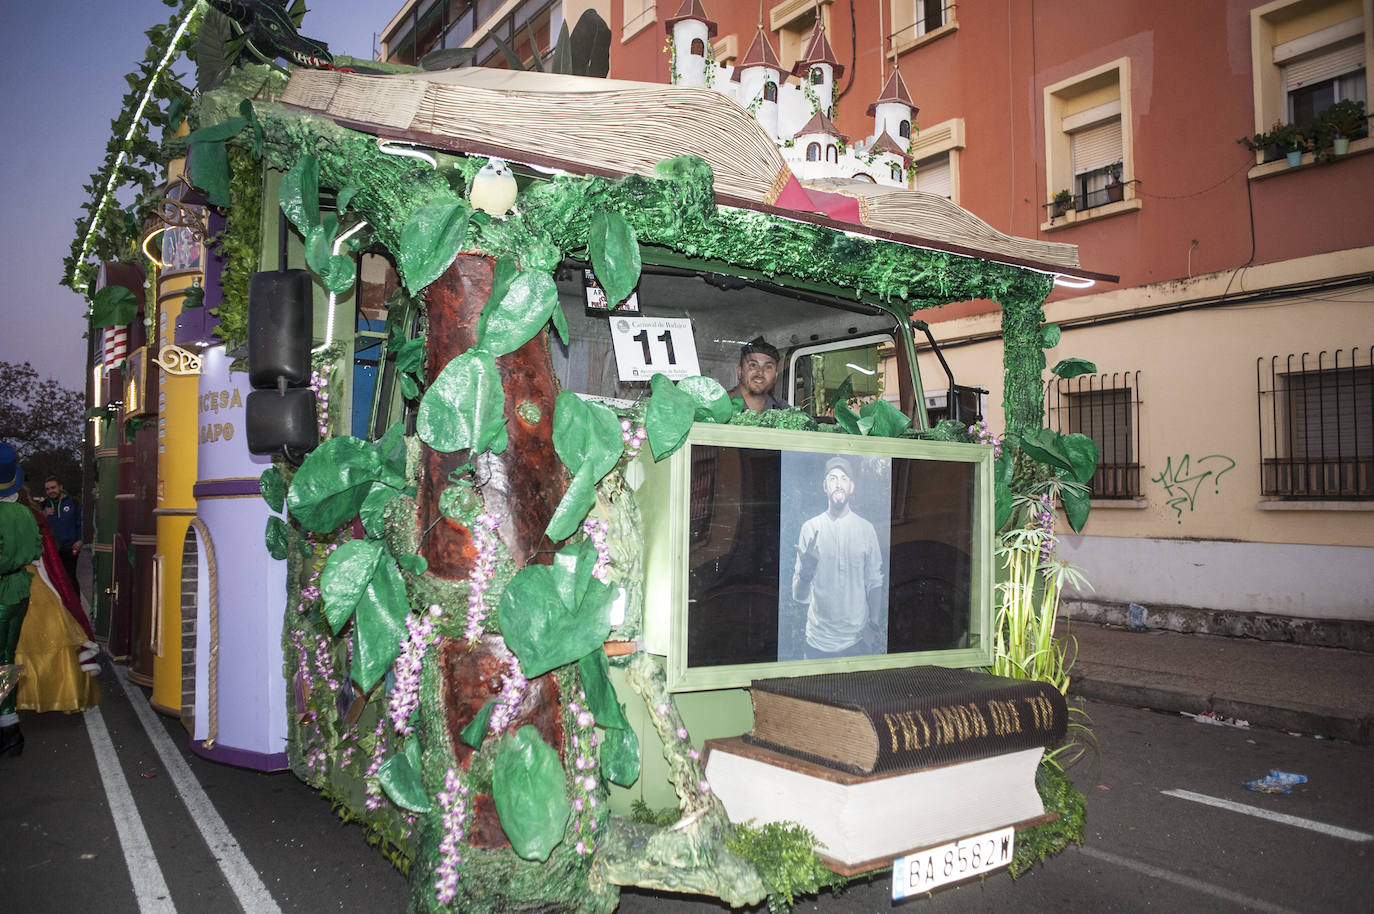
526,565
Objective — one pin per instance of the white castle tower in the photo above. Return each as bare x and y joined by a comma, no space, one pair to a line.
818,69
691,33
894,111
760,77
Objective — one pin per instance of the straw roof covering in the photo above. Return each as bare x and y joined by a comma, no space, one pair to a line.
615,127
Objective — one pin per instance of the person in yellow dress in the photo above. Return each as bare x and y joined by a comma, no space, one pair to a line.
52,645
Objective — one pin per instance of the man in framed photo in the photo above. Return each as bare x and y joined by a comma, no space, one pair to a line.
839,573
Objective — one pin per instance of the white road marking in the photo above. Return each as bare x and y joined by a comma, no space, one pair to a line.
238,872
1334,831
1187,882
150,887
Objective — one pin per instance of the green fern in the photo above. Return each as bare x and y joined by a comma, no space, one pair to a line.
785,855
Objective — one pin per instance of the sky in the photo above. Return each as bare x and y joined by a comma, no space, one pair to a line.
61,82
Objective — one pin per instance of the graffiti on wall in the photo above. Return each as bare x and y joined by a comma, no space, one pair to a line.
1183,482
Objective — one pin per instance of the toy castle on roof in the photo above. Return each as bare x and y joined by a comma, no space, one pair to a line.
797,114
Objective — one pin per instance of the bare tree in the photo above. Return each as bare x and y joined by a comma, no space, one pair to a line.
42,421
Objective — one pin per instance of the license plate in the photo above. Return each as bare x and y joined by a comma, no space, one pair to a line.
929,869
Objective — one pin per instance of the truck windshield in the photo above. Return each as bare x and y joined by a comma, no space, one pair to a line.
827,346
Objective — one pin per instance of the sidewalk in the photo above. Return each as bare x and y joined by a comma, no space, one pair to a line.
1318,690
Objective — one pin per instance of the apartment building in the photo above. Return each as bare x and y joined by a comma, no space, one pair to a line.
1234,398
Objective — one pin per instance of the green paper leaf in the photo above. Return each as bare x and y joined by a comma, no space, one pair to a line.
273,488
465,406
528,787
1003,467
844,392
373,509
590,47
1072,368
712,401
620,761
415,564
346,577
1049,336
246,109
1077,504
401,781
332,482
409,388
1043,445
218,133
113,306
572,509
362,581
300,194
1082,454
669,416
208,164
410,356
391,451
336,271
1004,502
430,240
551,615
476,730
276,537
345,197
846,419
601,700
560,323
522,312
887,420
613,250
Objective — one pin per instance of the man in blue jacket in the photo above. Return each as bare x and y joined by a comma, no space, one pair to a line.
64,517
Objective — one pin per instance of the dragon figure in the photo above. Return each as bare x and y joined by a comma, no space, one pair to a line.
270,33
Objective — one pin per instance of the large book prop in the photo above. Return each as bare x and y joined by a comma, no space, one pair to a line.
880,764
900,719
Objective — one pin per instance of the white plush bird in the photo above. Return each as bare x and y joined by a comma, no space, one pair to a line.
493,189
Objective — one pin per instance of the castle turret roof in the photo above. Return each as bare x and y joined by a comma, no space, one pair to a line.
760,54
885,143
818,50
819,123
894,91
691,9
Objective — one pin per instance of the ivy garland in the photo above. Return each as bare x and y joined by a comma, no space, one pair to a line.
132,159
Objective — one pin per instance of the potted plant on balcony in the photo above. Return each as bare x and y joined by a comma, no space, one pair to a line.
1279,141
1063,202
1116,190
1342,122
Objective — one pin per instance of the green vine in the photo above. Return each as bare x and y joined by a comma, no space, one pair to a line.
132,158
239,244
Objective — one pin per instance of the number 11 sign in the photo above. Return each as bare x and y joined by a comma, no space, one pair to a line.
646,346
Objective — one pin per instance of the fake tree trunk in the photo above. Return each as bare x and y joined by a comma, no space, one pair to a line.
520,489
1023,354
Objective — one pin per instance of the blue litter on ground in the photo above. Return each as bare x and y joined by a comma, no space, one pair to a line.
1275,781
1135,619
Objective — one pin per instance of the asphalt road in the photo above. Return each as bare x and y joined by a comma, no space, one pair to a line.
66,833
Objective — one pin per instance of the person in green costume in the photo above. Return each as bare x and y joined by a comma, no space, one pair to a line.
20,544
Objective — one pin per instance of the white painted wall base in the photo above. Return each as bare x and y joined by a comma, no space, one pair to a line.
1314,582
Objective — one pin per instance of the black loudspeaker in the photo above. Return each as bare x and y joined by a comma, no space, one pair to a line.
278,420
280,324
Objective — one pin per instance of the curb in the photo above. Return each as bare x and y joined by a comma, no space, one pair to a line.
1331,723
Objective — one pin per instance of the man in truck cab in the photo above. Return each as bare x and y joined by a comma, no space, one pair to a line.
757,373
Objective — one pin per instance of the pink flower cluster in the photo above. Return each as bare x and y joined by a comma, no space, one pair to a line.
405,695
319,383
596,531
453,800
311,591
1044,514
703,786
981,435
634,437
584,742
374,790
324,664
513,684
479,579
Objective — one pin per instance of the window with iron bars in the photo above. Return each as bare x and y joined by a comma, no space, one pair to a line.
1106,408
1316,420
